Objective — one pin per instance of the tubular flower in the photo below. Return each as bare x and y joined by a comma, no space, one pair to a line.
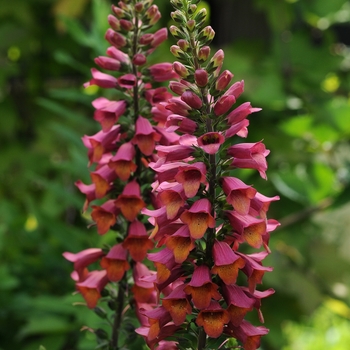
133,122
205,213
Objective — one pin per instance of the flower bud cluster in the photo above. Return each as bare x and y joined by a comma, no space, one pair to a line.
209,223
132,125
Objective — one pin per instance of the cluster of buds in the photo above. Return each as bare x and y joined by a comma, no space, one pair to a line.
211,227
132,124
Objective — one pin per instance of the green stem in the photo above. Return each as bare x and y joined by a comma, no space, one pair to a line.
118,315
202,339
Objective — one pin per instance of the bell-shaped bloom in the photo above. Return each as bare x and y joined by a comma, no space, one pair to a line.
177,304
250,229
254,269
145,136
167,345
115,263
143,290
83,259
88,190
173,199
157,318
181,243
238,194
130,202
191,176
224,104
157,95
211,142
164,262
213,319
179,123
137,241
256,296
108,112
104,216
250,156
226,262
260,204
127,81
239,303
92,286
102,80
240,113
122,162
162,72
240,129
201,288
103,178
198,218
174,152
101,143
247,334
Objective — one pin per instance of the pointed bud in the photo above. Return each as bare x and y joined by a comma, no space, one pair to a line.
139,59
201,16
115,38
180,69
177,88
119,12
191,99
126,25
178,16
139,7
114,22
224,104
203,53
191,25
177,52
192,9
216,61
201,77
146,39
176,32
223,80
152,15
176,3
183,44
206,35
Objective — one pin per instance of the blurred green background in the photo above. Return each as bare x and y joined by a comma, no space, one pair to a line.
295,59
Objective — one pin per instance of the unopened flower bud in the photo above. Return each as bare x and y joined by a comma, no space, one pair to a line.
192,99
122,5
201,77
139,7
126,25
191,25
152,15
178,16
176,32
101,333
139,59
224,104
176,3
201,16
108,63
216,61
203,53
223,80
236,89
177,52
119,12
192,9
177,88
206,35
183,44
180,69
159,36
146,39
114,22
100,312
115,38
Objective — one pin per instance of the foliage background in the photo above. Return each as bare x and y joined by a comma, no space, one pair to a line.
294,56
